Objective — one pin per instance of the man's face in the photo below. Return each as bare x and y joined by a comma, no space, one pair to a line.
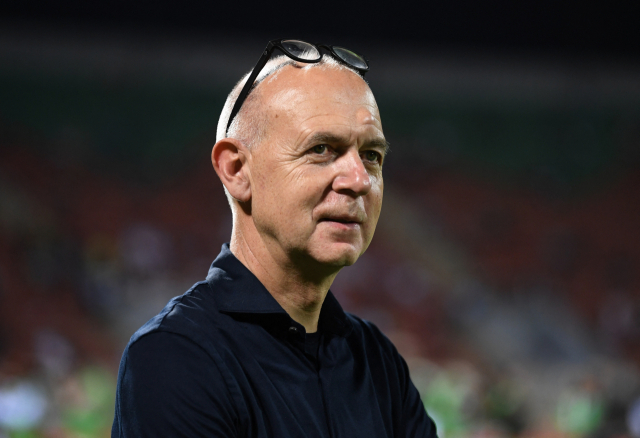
316,181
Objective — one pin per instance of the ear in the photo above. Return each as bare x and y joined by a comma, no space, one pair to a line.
229,158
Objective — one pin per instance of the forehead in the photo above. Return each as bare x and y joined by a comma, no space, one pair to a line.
301,98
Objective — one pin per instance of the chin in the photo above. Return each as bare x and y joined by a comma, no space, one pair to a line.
338,255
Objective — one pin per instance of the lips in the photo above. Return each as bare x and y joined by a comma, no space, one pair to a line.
343,219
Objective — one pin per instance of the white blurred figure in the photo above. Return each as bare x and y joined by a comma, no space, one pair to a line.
22,406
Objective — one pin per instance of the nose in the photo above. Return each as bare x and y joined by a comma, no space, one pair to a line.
352,177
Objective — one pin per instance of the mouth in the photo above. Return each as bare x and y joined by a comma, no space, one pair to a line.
342,221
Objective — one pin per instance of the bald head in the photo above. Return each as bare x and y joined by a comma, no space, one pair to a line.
251,124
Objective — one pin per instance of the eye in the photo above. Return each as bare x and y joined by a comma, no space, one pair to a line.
319,149
372,156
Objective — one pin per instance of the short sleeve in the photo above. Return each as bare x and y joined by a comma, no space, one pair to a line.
170,387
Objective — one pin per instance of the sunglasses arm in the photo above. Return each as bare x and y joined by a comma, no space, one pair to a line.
249,82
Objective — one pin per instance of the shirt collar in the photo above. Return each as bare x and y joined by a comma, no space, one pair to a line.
238,291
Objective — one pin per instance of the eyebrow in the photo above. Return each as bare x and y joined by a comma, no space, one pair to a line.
328,137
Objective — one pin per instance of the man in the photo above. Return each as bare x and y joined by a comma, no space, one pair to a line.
262,348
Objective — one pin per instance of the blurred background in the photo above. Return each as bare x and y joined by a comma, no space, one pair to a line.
506,264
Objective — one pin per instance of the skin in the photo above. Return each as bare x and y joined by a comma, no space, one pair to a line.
309,196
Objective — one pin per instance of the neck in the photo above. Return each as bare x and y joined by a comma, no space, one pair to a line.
299,291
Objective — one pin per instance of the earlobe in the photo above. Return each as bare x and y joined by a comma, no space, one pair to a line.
229,159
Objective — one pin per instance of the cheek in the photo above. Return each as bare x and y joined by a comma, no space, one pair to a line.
270,183
375,202
288,198
310,186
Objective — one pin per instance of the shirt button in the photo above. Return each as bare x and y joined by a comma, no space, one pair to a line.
293,330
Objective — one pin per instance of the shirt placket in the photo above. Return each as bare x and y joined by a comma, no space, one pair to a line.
323,369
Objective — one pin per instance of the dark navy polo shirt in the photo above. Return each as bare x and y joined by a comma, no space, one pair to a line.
226,360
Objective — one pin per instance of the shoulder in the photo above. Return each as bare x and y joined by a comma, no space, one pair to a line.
183,315
167,359
174,339
371,335
380,352
185,333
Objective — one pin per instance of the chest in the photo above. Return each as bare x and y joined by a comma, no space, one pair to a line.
283,391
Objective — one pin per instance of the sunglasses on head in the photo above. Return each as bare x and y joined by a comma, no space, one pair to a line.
300,51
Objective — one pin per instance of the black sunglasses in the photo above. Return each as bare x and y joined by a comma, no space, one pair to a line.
300,51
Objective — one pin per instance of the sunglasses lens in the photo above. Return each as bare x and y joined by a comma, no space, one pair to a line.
351,58
301,50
